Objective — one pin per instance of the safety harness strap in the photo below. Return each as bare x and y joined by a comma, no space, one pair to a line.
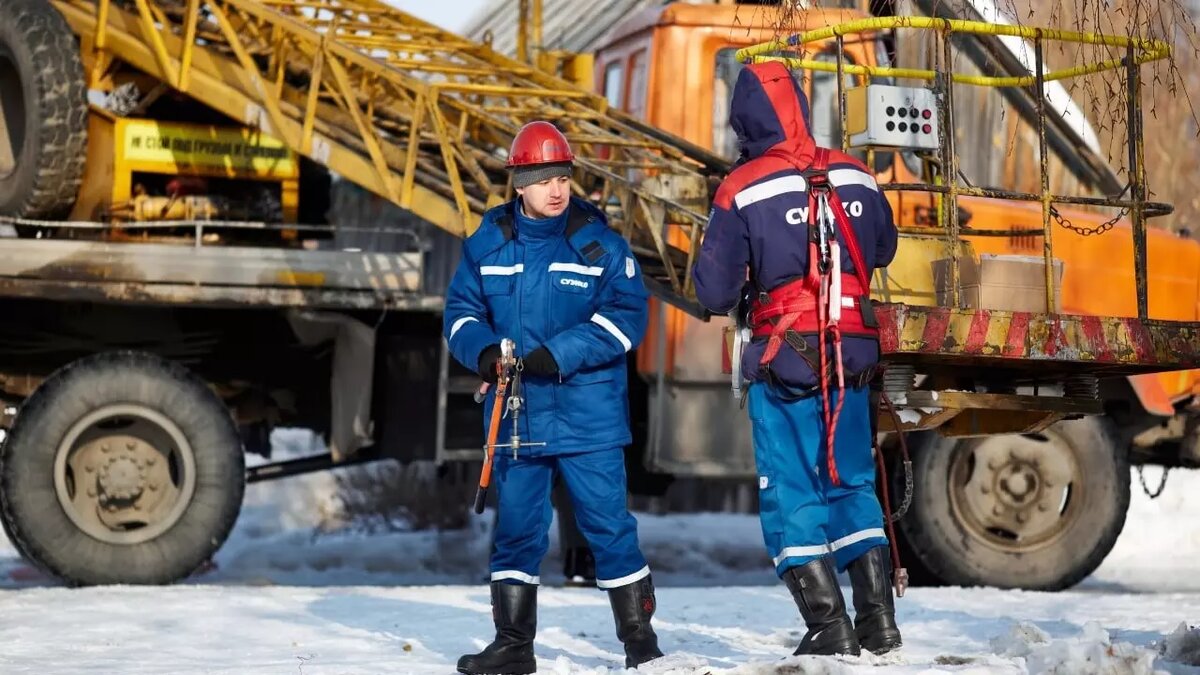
798,301
815,302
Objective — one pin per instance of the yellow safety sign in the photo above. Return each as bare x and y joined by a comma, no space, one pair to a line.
174,147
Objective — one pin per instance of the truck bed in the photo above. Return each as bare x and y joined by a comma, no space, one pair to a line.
1042,344
218,276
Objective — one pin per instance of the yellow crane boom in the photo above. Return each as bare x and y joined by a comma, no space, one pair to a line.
415,114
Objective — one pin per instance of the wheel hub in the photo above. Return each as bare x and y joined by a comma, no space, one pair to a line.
1017,484
124,474
1013,492
123,477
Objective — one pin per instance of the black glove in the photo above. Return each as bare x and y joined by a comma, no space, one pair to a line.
540,362
487,364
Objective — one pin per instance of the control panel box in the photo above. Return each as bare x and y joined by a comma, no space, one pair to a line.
883,115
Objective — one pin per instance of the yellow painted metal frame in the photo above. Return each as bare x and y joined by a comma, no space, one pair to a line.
1149,50
415,114
1137,51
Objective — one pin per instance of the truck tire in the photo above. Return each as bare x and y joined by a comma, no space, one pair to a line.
121,468
12,538
43,112
1031,511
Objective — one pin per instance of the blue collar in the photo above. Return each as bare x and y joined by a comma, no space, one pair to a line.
535,229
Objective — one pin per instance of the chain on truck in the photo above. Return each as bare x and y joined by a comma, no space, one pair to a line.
182,279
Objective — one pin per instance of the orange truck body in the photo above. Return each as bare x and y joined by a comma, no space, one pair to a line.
661,65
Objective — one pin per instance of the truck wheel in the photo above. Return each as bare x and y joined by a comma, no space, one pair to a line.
8,533
121,468
1032,511
43,112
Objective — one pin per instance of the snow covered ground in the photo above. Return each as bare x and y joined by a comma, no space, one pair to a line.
290,594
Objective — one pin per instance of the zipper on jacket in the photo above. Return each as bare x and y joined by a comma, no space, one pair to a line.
550,313
520,249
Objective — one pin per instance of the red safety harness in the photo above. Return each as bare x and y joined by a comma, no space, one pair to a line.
815,303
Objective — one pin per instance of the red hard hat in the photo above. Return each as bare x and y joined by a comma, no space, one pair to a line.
539,143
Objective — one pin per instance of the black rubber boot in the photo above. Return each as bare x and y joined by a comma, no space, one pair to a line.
633,605
514,610
874,607
815,589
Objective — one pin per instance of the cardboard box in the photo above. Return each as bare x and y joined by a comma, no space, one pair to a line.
1014,283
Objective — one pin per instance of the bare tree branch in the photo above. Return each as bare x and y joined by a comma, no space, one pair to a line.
1170,117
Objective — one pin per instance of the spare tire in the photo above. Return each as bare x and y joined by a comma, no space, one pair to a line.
43,112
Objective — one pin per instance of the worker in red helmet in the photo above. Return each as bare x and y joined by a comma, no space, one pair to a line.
545,271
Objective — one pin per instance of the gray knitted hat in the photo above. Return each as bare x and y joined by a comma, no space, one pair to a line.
524,176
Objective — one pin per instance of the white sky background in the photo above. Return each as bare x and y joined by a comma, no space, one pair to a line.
452,15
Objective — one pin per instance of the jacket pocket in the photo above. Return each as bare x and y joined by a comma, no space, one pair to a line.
572,294
573,283
497,284
499,297
588,377
769,512
591,407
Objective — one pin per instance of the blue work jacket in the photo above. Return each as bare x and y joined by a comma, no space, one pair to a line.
570,284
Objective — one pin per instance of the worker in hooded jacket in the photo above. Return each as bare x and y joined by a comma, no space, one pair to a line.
818,508
546,271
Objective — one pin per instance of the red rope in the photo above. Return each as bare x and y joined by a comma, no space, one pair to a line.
825,331
823,376
837,411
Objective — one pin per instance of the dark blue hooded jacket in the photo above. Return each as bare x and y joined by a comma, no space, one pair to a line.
750,226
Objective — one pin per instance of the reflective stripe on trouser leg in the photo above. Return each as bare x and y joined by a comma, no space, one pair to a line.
855,516
792,509
523,524
596,481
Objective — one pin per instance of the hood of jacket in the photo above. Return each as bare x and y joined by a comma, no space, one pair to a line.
769,113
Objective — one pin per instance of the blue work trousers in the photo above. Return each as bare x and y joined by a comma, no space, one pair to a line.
803,515
596,483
